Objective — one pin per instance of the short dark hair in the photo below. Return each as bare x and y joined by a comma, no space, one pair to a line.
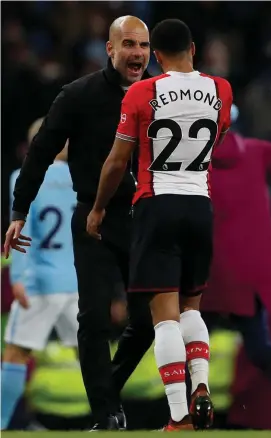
171,37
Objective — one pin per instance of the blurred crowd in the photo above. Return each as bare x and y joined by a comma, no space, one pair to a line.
46,44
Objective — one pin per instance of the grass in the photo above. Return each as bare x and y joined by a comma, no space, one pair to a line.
139,434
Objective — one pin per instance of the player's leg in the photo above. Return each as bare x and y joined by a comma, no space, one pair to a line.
197,252
256,337
67,324
13,378
170,354
27,329
154,276
97,271
196,339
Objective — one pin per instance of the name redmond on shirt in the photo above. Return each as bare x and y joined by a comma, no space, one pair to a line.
197,95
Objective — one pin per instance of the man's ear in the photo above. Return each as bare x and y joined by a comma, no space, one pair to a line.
109,49
157,56
193,49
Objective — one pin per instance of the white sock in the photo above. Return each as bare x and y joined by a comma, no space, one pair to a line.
170,357
196,340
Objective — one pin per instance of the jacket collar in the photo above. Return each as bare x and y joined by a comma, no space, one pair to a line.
114,76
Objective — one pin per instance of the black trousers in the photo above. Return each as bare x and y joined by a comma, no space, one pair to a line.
102,272
134,342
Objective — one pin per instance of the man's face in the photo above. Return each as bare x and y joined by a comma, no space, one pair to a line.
130,53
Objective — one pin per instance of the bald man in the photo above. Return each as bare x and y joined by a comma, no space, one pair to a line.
124,35
87,112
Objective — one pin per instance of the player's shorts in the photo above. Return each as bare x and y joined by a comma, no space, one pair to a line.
171,244
30,328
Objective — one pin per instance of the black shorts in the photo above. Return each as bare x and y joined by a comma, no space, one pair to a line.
171,244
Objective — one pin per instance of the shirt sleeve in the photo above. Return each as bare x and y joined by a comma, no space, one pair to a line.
128,125
228,104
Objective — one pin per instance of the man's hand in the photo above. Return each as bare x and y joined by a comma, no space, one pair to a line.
94,220
14,238
19,294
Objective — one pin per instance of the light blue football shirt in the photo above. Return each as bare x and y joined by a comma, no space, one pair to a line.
48,265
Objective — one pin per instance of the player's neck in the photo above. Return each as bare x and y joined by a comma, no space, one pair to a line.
181,66
60,158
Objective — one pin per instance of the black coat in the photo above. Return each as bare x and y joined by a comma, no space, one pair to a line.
86,112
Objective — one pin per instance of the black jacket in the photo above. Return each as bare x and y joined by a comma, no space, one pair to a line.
86,112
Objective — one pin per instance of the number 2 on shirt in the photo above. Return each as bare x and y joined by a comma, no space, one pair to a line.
48,241
160,164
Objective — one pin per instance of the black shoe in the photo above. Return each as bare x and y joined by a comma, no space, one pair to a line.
202,411
121,418
111,423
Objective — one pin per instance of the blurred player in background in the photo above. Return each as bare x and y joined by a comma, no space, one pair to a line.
177,117
249,386
240,277
43,280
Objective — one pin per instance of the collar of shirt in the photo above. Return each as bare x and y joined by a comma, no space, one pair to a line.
190,74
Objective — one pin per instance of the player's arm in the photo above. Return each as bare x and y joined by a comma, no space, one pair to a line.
113,171
19,262
221,137
48,142
17,271
114,167
227,117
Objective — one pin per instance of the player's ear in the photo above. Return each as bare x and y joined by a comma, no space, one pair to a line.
157,56
109,49
193,49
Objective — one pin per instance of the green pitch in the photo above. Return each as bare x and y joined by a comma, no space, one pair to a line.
141,434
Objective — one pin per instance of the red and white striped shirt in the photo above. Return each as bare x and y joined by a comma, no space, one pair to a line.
177,119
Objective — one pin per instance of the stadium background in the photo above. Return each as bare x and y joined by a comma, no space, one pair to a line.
47,44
